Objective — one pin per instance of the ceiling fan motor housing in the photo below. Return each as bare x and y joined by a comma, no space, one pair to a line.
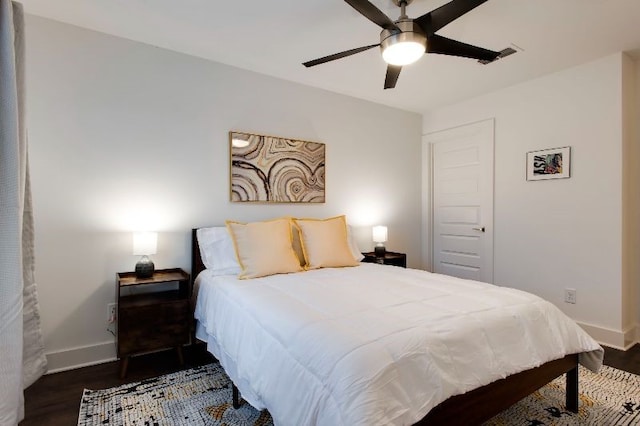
410,31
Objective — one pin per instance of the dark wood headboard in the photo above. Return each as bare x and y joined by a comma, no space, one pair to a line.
196,260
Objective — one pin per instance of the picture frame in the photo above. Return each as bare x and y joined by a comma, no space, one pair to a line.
552,163
272,169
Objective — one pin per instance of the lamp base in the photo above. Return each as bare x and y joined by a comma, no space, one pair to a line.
380,250
145,268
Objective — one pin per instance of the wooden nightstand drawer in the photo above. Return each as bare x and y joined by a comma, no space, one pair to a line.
147,328
151,317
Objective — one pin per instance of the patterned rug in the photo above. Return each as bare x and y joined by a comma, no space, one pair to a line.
202,396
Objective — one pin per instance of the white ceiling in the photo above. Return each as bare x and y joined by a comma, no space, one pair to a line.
274,37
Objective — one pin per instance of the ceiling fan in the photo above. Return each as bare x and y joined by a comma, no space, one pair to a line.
405,40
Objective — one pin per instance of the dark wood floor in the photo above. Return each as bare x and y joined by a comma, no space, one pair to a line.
623,360
55,398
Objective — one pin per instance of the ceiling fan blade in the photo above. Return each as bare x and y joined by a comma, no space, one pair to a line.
338,55
432,21
502,54
373,14
447,46
393,71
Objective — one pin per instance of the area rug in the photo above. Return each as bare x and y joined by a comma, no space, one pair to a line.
202,397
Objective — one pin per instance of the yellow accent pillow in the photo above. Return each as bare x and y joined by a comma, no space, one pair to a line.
264,248
297,244
324,242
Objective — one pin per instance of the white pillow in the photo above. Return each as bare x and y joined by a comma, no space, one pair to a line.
217,251
353,245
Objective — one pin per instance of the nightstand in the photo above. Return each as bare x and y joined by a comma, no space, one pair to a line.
390,258
153,314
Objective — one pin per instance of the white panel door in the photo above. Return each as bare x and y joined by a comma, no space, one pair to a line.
462,201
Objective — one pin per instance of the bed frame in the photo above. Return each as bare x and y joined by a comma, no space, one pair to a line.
478,405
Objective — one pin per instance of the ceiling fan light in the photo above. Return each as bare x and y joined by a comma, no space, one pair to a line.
403,53
404,47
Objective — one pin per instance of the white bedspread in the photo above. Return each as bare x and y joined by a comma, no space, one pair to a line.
375,344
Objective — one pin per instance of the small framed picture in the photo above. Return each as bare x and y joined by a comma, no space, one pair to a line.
554,163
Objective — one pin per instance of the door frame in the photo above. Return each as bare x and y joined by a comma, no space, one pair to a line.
428,190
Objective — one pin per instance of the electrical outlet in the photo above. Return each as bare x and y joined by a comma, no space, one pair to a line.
111,313
570,295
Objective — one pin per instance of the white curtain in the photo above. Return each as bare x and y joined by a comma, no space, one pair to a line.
22,358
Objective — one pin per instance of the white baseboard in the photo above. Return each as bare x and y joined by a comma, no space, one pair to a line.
617,339
78,357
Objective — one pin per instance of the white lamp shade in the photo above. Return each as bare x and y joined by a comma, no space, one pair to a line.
379,234
145,243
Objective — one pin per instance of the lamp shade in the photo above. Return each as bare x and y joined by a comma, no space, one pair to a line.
145,243
379,234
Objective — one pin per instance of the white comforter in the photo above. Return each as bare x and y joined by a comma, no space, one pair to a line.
374,344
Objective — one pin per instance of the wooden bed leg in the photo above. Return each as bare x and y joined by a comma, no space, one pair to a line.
572,390
236,396
180,355
124,364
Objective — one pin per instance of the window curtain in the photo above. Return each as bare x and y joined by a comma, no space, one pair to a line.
22,358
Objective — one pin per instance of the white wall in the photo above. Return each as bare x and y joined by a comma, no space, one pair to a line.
567,232
125,135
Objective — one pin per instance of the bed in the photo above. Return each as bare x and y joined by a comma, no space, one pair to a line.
311,358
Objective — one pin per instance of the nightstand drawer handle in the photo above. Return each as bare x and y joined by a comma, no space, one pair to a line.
478,229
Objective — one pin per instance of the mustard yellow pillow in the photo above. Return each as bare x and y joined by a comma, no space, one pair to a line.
324,242
297,244
264,248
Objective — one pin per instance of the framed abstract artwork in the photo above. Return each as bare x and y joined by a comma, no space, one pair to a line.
270,169
554,163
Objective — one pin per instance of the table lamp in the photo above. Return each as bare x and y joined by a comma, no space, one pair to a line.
144,244
380,237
